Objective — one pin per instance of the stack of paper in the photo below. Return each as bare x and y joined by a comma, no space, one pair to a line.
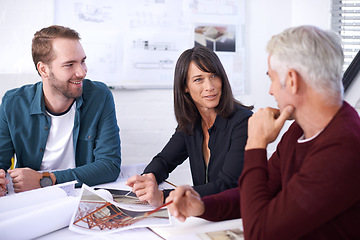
34,213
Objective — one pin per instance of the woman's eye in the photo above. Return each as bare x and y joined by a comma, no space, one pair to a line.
214,75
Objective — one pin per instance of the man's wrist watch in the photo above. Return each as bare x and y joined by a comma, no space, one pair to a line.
46,181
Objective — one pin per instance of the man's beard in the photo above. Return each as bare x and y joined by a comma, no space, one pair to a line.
63,88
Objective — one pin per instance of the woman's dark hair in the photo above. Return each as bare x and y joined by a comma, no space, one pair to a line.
186,112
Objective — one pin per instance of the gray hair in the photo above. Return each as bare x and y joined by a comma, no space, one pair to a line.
315,54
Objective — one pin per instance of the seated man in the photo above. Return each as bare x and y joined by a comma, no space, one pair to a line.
63,128
309,189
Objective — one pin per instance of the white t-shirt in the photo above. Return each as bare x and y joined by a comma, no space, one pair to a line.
59,151
303,140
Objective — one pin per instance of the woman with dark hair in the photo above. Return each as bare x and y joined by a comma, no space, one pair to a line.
211,132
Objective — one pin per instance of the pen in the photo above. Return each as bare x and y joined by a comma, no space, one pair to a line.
4,189
157,209
164,181
170,183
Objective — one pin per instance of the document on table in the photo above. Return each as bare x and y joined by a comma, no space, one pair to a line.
99,212
200,229
117,202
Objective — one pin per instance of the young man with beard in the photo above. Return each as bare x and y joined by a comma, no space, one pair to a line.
63,128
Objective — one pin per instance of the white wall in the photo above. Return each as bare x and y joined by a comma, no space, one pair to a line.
264,19
146,117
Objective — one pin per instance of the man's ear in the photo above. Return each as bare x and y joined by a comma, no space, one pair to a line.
293,81
43,69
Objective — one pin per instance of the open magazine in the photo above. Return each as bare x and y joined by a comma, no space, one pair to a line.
109,210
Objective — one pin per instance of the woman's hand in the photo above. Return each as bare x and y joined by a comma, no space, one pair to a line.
146,189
